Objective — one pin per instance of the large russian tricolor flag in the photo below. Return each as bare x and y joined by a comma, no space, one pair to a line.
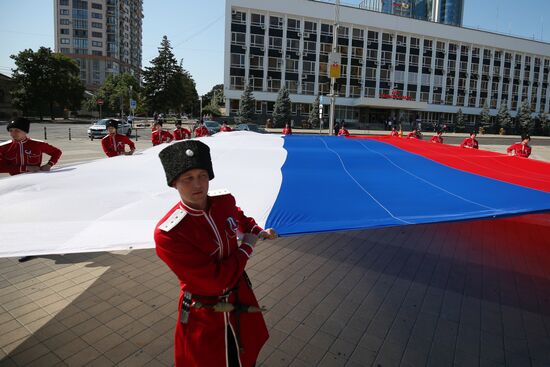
296,184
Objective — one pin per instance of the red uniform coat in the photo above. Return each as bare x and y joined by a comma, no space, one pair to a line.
161,136
469,143
113,145
519,149
412,136
201,248
226,128
182,133
15,156
287,131
394,133
437,139
201,131
343,132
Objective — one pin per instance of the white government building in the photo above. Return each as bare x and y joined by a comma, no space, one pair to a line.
391,65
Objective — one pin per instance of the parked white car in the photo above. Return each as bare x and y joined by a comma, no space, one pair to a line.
99,129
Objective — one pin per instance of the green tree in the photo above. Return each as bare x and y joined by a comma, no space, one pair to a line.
167,86
281,109
115,92
459,120
545,124
247,106
314,112
485,116
504,119
523,118
215,95
45,80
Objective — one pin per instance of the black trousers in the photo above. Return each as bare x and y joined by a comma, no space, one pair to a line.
232,352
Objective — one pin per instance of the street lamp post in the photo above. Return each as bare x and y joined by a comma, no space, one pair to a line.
333,80
200,111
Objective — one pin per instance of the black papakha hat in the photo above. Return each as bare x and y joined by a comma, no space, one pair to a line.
181,157
20,123
112,123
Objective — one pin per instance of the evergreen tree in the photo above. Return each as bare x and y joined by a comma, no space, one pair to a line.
535,126
166,84
504,119
215,95
281,110
247,106
523,118
45,81
459,120
545,124
485,116
314,113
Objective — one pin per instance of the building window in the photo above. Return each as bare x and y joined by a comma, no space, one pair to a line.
310,46
80,14
258,19
97,34
358,34
97,6
80,43
237,82
276,42
257,84
292,44
256,62
97,15
257,40
310,27
237,60
274,64
326,29
97,25
65,41
64,2
238,17
64,31
64,11
97,44
238,38
292,65
293,24
273,85
64,21
65,50
276,22
97,53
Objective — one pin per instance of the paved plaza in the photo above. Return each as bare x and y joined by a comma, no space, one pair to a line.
451,294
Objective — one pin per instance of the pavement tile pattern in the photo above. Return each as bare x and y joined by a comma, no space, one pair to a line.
426,295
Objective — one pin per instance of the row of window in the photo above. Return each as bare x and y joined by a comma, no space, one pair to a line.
81,4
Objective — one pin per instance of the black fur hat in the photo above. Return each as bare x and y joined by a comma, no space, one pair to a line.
112,123
181,157
20,123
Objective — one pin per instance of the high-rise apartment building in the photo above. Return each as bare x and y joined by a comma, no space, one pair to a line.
103,36
441,11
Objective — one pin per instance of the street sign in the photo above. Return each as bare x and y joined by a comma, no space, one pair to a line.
133,104
334,62
321,111
100,101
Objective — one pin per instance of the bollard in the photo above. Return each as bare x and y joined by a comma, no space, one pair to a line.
136,133
69,133
45,134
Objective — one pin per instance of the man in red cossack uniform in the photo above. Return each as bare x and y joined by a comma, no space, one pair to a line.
438,137
23,154
470,142
343,131
413,134
180,132
219,320
225,127
521,149
394,132
287,130
114,144
159,135
201,130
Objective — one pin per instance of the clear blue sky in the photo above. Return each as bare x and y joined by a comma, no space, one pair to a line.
197,31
